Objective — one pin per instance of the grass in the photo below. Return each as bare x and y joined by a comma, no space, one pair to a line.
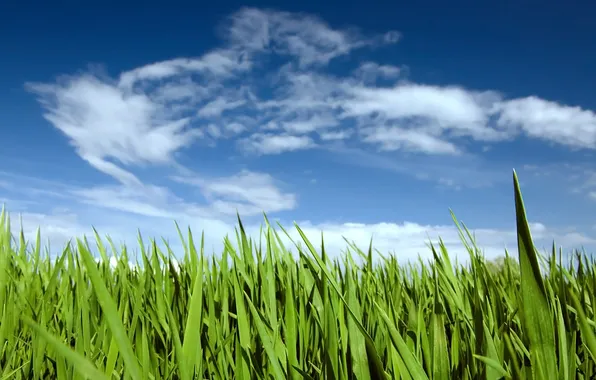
257,312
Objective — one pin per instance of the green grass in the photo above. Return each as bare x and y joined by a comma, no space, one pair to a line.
257,312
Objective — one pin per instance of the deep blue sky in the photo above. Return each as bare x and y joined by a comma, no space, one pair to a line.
536,63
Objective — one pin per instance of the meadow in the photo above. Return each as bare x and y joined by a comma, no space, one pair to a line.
258,311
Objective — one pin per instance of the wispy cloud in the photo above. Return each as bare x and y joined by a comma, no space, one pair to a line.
268,143
304,37
269,85
268,89
550,121
104,124
247,193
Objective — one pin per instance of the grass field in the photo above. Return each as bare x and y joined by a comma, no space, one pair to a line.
261,313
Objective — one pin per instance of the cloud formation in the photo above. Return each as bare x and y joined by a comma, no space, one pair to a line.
269,85
550,121
270,89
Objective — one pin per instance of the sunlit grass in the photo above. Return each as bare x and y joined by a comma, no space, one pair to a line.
256,313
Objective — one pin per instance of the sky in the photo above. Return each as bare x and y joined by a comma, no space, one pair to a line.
359,120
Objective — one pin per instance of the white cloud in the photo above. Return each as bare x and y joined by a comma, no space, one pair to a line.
308,124
217,63
452,106
103,123
275,144
181,94
302,36
247,192
219,105
546,120
336,135
151,201
235,128
215,201
397,138
270,75
448,108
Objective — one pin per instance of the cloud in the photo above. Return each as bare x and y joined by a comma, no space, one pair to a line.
103,123
304,37
309,123
550,121
118,211
336,135
397,139
247,193
151,201
275,144
449,106
217,106
218,63
271,88
269,85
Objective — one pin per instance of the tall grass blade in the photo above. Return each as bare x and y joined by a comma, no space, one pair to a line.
536,311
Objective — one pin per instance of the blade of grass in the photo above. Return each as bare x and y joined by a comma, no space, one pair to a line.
538,320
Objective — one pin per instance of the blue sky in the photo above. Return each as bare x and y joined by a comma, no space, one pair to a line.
358,120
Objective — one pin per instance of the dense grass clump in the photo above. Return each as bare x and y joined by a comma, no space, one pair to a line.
257,312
